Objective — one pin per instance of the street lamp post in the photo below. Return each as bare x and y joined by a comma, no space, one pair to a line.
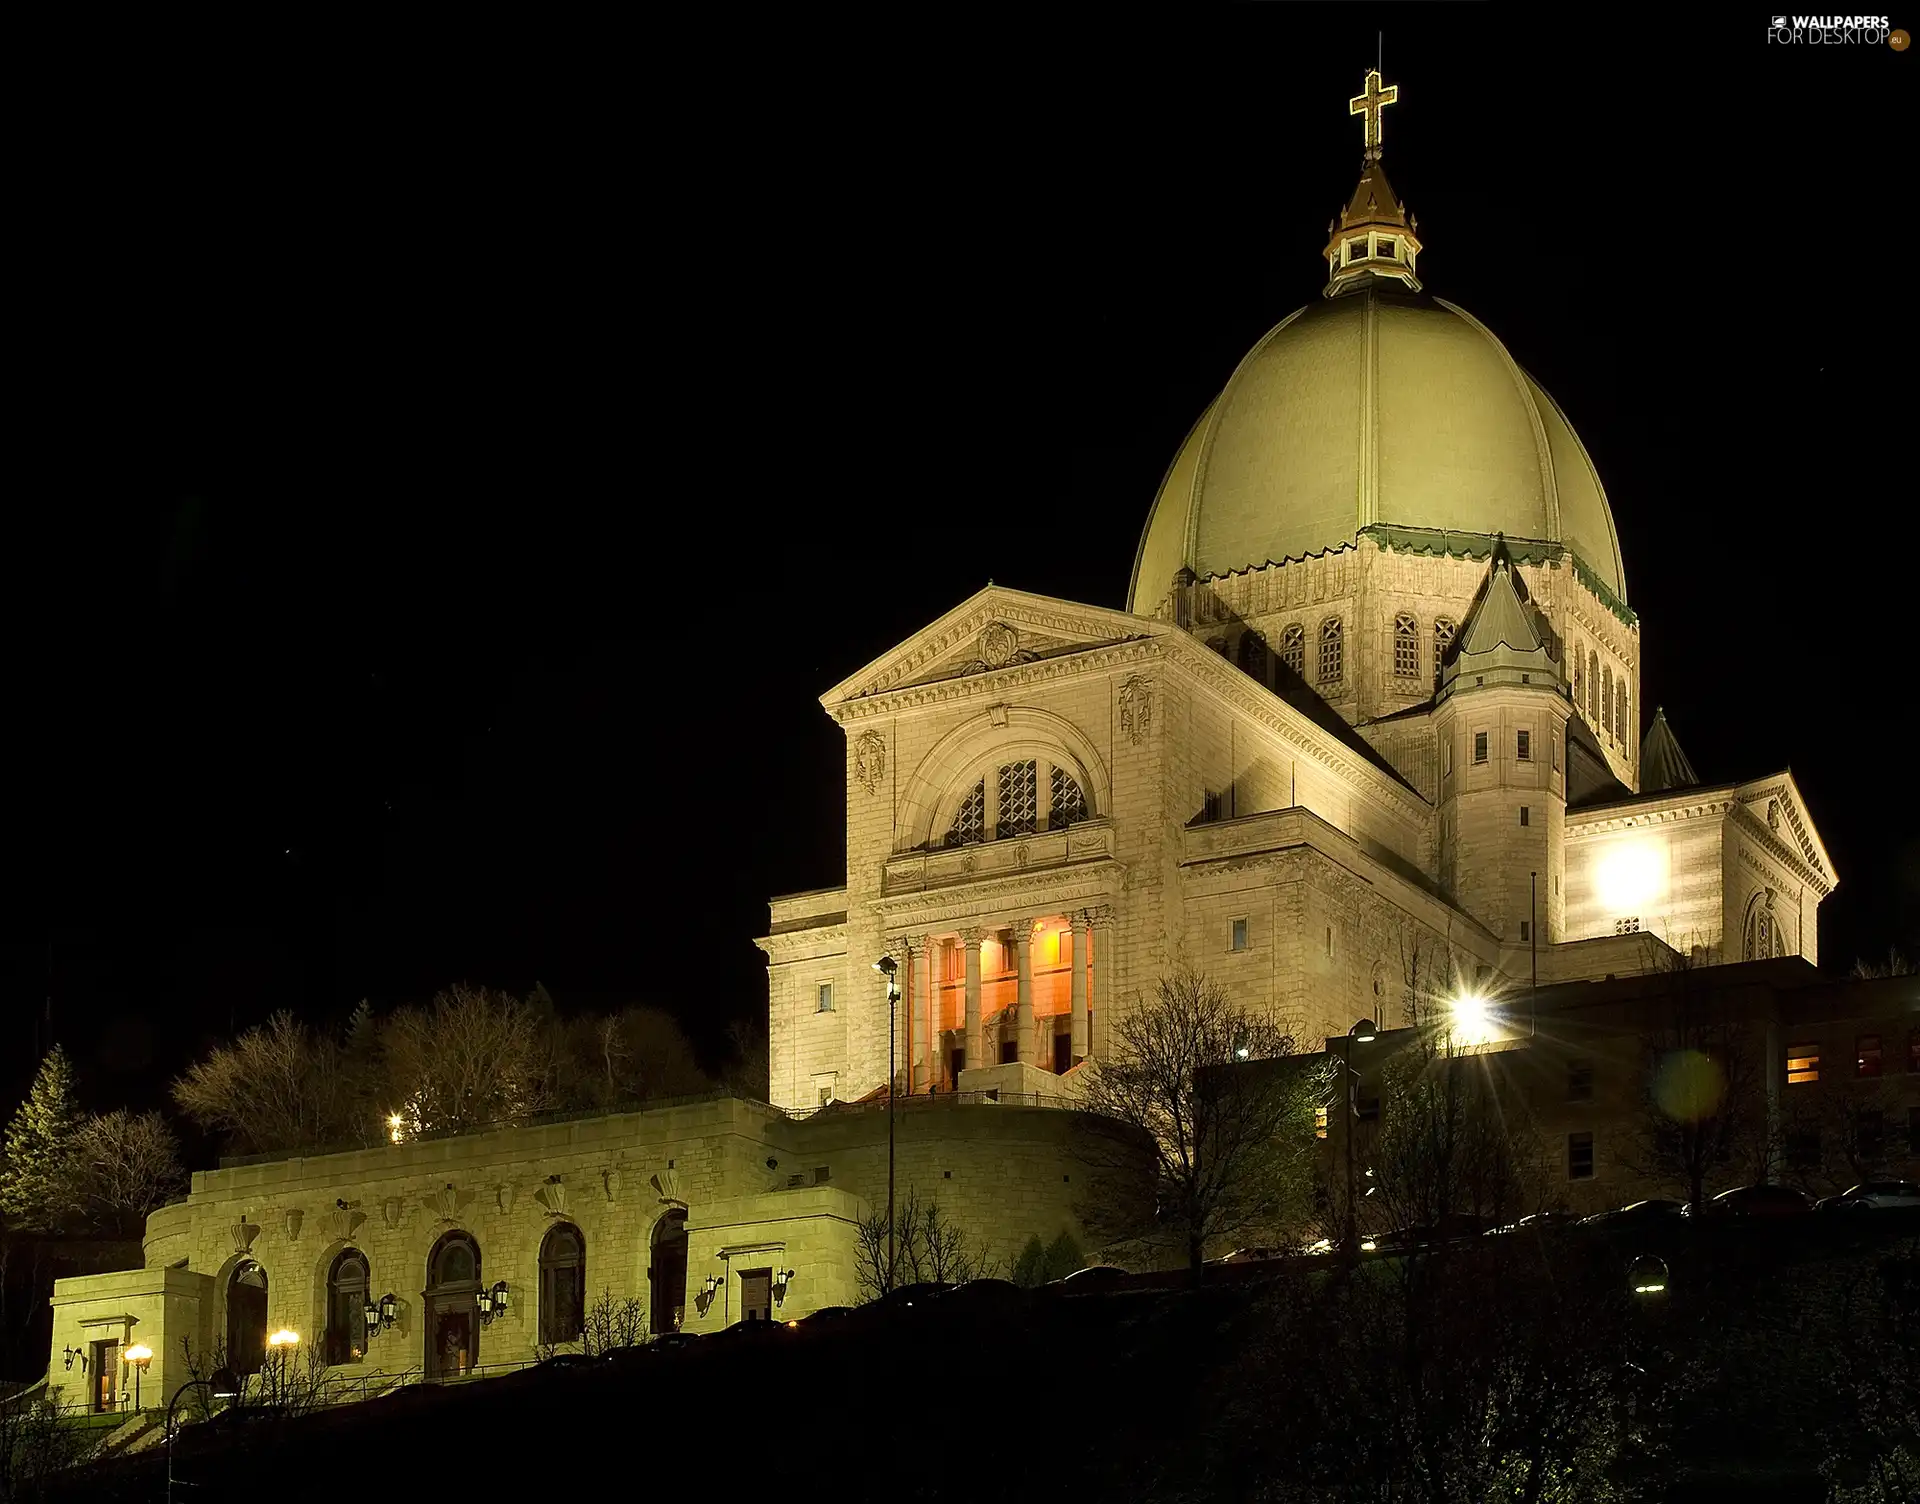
139,1355
890,969
1363,1031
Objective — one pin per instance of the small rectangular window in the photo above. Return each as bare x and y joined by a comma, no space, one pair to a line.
1579,1156
1866,1055
1479,746
1356,250
1554,748
1803,1064
1449,767
1524,751
1237,937
1329,939
1526,929
821,1175
1627,926
1579,1080
1319,1122
826,998
1525,815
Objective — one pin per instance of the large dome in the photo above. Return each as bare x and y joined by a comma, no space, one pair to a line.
1372,407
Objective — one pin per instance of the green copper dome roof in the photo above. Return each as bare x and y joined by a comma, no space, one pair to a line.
1380,407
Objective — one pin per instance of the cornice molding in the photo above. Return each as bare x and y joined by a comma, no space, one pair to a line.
913,697
1754,827
783,946
1680,809
1059,890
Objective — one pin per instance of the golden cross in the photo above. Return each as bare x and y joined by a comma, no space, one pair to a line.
1370,104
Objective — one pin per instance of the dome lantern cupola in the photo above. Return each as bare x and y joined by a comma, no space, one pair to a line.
1373,239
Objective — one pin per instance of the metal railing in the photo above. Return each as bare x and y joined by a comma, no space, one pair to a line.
924,1101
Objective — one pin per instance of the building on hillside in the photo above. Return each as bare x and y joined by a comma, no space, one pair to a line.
1371,722
435,1259
1803,1080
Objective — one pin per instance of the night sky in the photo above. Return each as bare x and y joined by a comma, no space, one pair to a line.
443,494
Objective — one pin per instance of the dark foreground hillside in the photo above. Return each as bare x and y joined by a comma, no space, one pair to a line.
1777,1365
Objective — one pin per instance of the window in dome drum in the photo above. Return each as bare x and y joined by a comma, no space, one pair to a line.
1331,657
1386,249
1356,250
1406,647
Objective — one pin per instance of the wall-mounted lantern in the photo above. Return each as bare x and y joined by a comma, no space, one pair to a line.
780,1278
493,1303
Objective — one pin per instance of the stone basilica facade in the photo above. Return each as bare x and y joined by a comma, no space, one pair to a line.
1370,726
1369,730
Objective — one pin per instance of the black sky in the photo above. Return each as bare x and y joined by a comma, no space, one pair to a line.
447,484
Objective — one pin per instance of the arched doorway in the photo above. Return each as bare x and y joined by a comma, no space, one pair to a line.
667,1273
451,1302
247,1317
346,1307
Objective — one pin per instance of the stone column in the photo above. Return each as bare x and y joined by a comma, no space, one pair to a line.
972,939
930,1066
1105,979
1023,995
1077,989
916,1016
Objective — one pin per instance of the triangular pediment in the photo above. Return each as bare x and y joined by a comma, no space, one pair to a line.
1774,804
993,630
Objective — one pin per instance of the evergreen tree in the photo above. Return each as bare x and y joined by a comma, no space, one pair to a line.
39,1186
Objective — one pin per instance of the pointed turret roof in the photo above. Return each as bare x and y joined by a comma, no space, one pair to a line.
1500,640
1662,764
1373,239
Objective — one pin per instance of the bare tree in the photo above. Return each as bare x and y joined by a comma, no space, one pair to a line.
470,1058
612,1324
36,1445
1896,965
276,1087
1703,1104
128,1163
749,1061
1222,1107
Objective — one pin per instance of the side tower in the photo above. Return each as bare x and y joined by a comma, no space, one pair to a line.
1500,719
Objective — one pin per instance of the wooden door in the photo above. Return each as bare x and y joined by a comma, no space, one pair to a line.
106,1375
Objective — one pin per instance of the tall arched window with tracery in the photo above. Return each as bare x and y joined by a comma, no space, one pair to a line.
1332,651
1066,801
1606,698
1443,629
1593,689
1019,799
1293,649
347,1287
1253,656
1406,647
1620,722
1579,679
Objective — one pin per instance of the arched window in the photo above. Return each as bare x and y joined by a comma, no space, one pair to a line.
1579,679
346,1308
1593,689
1606,698
1066,803
1406,647
563,1283
1620,709
1008,803
247,1318
1293,649
1444,628
970,824
1019,800
1253,656
1332,657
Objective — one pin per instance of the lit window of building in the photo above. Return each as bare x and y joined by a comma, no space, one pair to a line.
1866,1055
1320,1122
1803,1064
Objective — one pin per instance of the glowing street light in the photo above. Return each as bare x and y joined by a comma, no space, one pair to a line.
285,1337
139,1355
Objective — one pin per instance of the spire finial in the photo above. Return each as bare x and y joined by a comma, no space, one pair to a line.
1371,102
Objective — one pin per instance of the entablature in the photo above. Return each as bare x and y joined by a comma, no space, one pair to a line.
921,871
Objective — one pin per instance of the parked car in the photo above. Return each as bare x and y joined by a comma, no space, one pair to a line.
1770,1201
915,1295
669,1342
1874,1195
573,1360
1537,1222
825,1316
987,1291
1448,1229
1086,1281
1635,1213
1256,1255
